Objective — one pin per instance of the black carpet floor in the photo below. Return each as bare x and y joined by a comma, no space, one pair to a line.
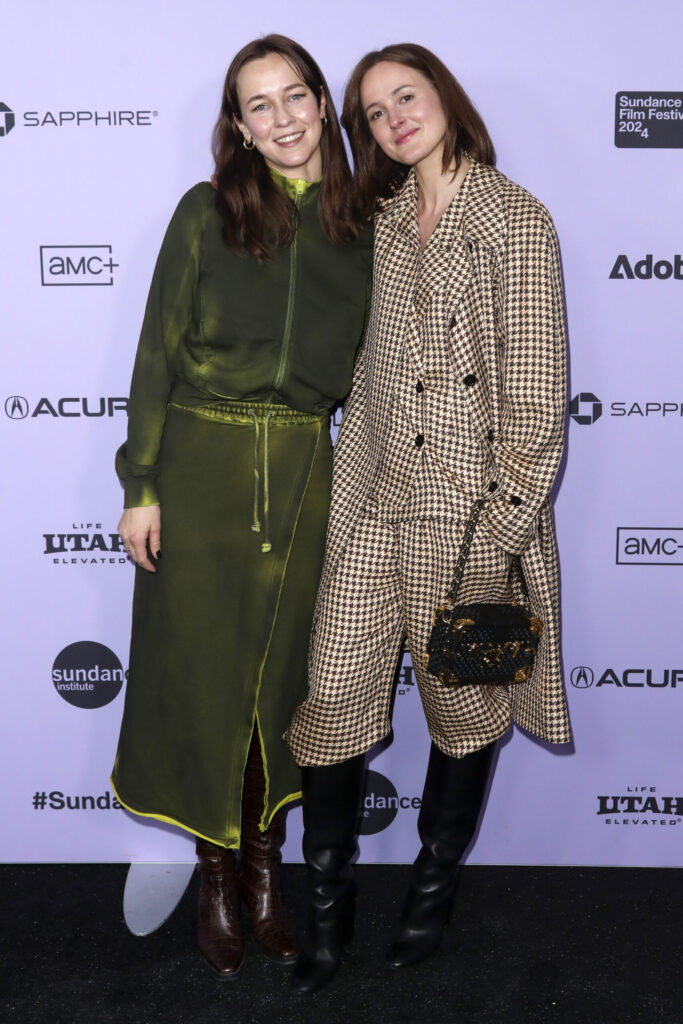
526,946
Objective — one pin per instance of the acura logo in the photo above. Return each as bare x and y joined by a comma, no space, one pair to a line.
16,407
582,677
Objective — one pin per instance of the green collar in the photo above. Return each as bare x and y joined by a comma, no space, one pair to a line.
292,186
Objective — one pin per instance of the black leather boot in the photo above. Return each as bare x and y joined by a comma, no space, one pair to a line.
453,794
331,802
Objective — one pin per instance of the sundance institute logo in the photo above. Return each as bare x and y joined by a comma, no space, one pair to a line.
87,674
381,803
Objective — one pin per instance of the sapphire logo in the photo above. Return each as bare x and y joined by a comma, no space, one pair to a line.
87,675
16,407
72,119
585,408
649,545
62,265
6,120
582,677
89,118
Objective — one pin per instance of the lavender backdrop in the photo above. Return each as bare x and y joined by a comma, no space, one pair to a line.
546,81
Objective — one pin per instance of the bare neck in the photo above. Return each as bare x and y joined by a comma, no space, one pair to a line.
436,189
435,192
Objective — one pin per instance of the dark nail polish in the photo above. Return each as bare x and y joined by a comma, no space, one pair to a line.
158,555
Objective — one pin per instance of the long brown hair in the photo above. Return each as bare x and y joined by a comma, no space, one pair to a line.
257,215
376,175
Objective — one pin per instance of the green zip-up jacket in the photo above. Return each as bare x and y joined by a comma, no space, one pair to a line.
223,326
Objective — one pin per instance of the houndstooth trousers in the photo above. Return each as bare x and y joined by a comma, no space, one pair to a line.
388,583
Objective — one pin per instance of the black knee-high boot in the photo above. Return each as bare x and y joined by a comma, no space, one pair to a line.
453,794
331,803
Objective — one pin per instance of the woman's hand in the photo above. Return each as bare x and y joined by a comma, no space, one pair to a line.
138,527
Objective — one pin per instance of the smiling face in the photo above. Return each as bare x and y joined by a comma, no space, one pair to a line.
282,116
404,113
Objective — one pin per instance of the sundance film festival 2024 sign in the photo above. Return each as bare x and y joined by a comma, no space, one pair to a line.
649,120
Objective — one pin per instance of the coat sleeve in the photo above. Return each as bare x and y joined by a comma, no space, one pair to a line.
167,316
528,448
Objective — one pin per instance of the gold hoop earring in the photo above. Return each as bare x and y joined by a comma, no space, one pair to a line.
247,143
324,119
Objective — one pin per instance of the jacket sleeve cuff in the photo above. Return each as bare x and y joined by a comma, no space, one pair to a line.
511,522
139,481
139,491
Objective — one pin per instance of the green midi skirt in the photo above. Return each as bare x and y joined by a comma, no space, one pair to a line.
220,632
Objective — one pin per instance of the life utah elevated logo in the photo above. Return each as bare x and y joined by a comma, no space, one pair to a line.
640,805
86,543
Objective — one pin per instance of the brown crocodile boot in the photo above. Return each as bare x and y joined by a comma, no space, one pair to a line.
259,865
219,932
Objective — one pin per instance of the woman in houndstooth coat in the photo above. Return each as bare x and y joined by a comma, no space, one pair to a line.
459,394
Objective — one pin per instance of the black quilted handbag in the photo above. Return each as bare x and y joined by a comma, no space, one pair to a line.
480,643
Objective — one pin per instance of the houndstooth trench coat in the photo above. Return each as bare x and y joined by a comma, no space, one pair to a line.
489,281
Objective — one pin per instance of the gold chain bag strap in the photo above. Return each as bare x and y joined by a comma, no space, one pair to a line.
480,643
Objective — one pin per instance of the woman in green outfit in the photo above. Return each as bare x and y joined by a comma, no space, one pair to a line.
255,313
